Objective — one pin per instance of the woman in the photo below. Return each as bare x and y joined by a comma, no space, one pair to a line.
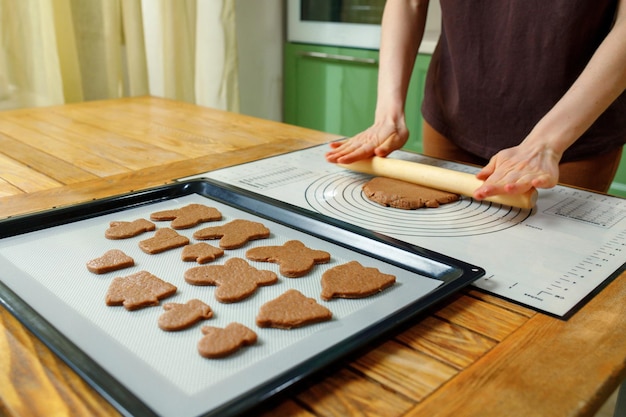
532,90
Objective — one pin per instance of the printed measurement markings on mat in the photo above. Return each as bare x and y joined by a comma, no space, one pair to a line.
276,177
591,211
600,258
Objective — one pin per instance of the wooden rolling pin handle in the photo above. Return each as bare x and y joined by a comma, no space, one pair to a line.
436,177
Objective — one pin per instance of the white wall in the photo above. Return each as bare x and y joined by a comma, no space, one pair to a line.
260,38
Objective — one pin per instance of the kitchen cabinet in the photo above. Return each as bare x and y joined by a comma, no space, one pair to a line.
333,89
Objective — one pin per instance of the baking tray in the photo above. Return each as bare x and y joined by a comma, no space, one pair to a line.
143,370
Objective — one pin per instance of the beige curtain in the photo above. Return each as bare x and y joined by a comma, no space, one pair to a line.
63,51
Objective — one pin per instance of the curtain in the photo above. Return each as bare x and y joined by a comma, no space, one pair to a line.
64,51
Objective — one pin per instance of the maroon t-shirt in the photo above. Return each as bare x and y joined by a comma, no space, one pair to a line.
501,65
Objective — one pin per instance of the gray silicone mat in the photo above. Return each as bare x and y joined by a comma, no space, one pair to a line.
141,368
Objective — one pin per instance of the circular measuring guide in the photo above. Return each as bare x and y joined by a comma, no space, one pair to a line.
340,196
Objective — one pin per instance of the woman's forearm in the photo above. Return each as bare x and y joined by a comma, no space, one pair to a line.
401,34
600,83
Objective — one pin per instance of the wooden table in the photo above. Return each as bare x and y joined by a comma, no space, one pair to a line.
475,355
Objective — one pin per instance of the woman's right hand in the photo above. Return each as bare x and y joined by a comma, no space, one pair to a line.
379,140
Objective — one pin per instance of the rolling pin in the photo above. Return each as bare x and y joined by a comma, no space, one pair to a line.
436,177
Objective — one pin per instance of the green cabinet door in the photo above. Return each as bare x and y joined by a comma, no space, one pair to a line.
413,105
333,89
329,88
618,187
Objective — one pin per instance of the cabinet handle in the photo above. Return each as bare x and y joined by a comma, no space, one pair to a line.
344,58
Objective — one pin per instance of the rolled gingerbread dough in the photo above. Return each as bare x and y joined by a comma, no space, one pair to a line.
404,195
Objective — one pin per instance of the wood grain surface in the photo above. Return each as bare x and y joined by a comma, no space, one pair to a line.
472,355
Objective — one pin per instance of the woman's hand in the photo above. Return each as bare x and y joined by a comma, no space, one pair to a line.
378,140
518,169
534,162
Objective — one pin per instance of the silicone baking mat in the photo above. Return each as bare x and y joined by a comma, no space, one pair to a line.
552,258
143,370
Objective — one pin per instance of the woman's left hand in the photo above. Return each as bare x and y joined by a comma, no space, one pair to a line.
518,169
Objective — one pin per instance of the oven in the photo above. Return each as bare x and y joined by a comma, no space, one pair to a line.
345,23
349,23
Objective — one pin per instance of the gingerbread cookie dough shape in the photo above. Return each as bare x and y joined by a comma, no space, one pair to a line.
234,234
189,216
290,310
294,258
201,252
111,260
163,240
404,195
353,280
125,230
138,290
179,316
235,280
220,342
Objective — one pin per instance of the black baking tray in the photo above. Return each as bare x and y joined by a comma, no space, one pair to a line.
454,274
